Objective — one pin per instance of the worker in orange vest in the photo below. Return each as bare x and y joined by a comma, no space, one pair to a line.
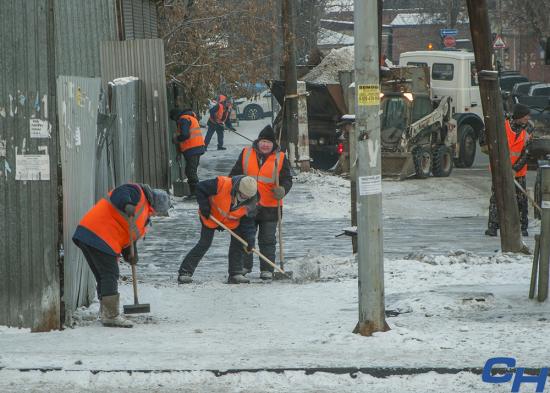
265,162
518,146
107,230
220,117
232,201
190,143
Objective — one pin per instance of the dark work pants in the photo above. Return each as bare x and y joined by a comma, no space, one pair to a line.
191,168
193,257
105,269
522,206
267,243
219,131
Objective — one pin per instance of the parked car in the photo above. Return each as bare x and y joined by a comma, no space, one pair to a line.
540,89
508,81
254,108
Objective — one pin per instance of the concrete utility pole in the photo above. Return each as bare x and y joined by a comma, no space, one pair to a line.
290,120
501,169
369,179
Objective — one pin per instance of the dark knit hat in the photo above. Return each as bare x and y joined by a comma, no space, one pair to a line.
267,133
520,111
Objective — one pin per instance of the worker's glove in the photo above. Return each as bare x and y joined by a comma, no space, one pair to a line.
248,249
232,128
205,211
126,255
278,192
130,209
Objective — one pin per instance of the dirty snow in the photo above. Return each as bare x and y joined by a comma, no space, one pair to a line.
450,309
341,59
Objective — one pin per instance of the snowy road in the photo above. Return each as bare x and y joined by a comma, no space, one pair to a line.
454,309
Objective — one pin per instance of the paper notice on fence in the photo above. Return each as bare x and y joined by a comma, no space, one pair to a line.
39,128
545,204
370,185
32,167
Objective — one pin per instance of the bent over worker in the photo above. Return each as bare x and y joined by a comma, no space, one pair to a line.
518,146
265,163
232,201
190,142
105,232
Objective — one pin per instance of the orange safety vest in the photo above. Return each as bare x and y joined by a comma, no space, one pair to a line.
221,114
113,226
515,146
195,135
220,206
266,175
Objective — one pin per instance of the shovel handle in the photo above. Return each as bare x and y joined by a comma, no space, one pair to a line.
132,259
240,239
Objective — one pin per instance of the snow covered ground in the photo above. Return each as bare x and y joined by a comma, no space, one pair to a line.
447,310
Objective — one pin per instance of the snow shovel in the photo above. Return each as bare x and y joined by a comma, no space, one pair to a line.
535,204
241,135
244,243
135,308
277,275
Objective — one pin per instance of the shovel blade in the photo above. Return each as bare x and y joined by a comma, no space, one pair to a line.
137,308
280,276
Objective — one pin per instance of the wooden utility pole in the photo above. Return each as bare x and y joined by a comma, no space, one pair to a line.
276,51
501,169
369,179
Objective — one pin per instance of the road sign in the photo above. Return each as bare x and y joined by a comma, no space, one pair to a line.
499,43
446,32
449,41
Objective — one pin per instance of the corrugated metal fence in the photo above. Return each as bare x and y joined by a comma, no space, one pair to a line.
139,19
77,100
29,222
144,59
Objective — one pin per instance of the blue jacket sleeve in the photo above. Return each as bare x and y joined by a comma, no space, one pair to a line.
206,189
124,194
184,126
228,123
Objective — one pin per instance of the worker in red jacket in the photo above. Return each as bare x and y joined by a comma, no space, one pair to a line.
107,230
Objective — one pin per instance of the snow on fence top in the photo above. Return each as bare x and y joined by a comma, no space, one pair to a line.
341,59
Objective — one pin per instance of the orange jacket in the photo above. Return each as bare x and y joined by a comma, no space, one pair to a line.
195,135
266,175
113,226
516,144
220,206
222,114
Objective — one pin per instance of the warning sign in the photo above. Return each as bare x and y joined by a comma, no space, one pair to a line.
368,95
499,43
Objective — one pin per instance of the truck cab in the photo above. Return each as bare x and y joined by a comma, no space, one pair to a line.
453,74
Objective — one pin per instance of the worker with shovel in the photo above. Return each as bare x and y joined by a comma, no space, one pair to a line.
220,116
269,166
190,143
111,228
518,145
232,203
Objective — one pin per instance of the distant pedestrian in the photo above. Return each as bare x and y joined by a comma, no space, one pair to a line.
518,146
190,143
264,161
105,232
232,201
220,117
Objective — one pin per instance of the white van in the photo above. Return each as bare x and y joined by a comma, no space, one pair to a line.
453,73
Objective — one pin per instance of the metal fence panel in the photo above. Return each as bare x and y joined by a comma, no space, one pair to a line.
144,59
80,25
139,19
29,222
125,96
77,102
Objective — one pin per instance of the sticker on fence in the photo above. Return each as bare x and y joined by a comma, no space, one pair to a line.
370,185
32,167
39,128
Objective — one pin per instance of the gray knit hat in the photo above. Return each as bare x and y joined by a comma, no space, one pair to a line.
161,202
248,186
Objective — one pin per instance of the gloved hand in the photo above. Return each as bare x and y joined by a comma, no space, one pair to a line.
130,209
248,249
205,211
232,128
278,192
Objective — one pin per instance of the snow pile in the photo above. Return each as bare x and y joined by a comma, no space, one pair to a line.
466,257
327,71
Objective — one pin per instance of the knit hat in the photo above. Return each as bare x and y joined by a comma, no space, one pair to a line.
520,111
174,114
248,186
161,201
267,133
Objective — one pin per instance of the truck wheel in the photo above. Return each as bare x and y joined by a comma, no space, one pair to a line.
253,112
422,157
467,148
538,194
442,161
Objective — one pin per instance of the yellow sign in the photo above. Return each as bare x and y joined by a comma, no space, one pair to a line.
368,95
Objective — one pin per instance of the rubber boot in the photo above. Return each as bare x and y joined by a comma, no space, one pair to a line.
110,315
238,279
185,278
266,275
